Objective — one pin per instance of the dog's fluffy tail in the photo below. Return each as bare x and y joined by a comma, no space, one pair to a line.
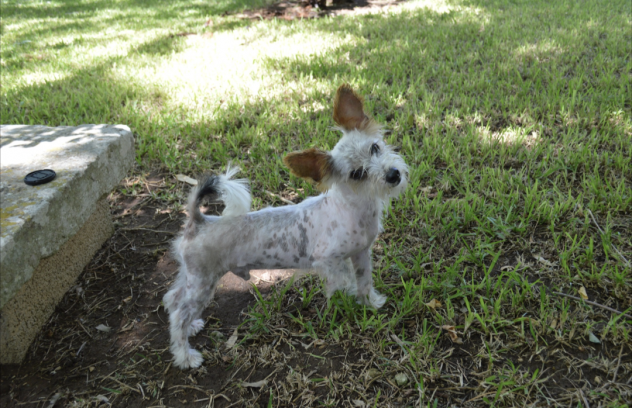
234,193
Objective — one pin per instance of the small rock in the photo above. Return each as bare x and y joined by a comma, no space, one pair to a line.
401,379
217,335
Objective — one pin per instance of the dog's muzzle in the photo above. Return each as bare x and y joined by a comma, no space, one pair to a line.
393,177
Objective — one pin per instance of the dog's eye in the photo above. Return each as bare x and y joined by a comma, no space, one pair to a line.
375,149
357,174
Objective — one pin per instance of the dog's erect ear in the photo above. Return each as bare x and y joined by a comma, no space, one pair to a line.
310,164
348,110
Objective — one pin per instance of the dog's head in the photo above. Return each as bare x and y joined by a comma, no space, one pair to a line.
360,159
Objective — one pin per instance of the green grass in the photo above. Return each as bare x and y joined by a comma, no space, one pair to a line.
514,117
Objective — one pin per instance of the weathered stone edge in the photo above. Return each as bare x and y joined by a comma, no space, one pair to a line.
21,255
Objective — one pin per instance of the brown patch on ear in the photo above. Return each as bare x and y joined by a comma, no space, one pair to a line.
348,109
310,164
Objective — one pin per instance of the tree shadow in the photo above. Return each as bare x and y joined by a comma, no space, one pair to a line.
161,46
422,71
96,17
445,63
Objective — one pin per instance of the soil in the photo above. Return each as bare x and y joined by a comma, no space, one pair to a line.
114,314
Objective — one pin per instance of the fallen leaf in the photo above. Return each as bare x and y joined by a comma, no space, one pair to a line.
593,338
230,343
186,179
320,343
257,384
542,260
359,403
433,304
372,373
451,332
582,293
103,328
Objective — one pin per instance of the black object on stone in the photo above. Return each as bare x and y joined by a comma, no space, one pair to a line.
38,177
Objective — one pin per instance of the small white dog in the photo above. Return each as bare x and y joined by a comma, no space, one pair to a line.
331,234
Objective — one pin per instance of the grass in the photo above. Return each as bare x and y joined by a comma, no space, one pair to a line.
514,117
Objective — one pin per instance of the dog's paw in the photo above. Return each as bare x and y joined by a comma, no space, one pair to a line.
196,326
373,298
376,299
188,359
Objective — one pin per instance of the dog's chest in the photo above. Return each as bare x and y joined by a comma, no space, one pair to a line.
355,230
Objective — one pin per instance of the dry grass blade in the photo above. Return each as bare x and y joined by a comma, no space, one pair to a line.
594,304
286,201
257,384
621,257
186,179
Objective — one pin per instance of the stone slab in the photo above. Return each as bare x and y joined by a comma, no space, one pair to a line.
30,308
90,160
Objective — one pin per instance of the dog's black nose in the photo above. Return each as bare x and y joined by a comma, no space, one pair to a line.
393,177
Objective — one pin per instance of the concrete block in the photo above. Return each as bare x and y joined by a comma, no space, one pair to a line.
38,222
27,311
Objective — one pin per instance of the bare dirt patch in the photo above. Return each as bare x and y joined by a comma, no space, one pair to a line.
108,338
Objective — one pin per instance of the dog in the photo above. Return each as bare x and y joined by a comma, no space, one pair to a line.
331,234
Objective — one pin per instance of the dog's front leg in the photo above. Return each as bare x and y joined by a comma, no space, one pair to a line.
336,272
367,295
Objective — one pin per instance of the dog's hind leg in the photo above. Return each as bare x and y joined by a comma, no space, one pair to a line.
175,295
366,295
184,316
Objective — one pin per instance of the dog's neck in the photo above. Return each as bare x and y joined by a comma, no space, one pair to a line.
358,199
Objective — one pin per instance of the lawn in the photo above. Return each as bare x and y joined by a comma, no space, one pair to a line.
515,118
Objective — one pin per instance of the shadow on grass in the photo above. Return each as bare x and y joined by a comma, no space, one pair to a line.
165,135
475,66
93,18
153,9
161,46
481,62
